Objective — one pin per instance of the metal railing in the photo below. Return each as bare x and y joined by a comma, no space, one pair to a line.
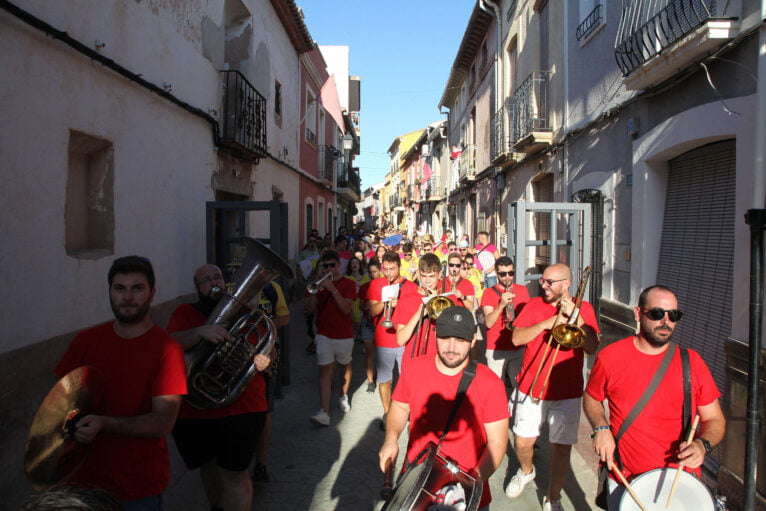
434,189
501,130
349,178
668,21
590,23
468,163
244,116
328,159
530,105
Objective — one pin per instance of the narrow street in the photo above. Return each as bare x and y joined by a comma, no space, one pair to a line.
336,468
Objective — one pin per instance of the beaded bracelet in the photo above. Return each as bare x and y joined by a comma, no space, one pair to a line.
596,430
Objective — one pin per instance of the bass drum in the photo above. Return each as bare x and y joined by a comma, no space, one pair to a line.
653,488
427,477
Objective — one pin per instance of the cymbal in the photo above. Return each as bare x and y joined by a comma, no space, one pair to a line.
52,454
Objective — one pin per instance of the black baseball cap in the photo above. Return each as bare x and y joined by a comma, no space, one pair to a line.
456,321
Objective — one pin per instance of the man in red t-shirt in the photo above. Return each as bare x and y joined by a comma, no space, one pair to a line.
558,403
335,331
462,289
502,356
478,435
219,441
144,379
414,328
621,373
387,351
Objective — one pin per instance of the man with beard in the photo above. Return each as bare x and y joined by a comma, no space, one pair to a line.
621,373
144,375
425,394
220,441
559,402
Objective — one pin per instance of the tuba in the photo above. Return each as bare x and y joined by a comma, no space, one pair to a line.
218,373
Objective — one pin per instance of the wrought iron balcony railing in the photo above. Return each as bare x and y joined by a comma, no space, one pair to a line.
501,130
638,40
530,105
328,159
468,163
349,178
434,189
244,117
590,23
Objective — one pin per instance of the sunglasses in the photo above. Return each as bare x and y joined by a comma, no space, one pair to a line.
656,314
407,254
458,265
463,249
328,265
506,273
550,282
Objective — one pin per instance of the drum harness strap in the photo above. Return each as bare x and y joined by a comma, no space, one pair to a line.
465,381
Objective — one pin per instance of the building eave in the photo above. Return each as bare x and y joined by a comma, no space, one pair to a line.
291,17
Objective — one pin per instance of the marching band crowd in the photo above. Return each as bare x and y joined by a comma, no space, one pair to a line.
459,353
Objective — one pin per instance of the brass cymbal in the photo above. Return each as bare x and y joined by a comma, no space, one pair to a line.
52,454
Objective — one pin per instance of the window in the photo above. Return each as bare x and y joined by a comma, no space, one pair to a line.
309,218
311,117
591,18
277,100
89,209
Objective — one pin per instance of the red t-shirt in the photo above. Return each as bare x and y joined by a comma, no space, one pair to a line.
134,371
463,285
499,337
252,399
386,337
430,395
423,341
620,374
566,381
331,322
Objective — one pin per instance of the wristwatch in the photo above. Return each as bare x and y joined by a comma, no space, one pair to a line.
706,445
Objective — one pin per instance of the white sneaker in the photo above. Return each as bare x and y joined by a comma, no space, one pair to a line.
518,482
344,405
321,418
552,505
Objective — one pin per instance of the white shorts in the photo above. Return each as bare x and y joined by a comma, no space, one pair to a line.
333,350
563,418
506,364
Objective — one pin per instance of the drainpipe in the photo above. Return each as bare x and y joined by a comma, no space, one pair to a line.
483,4
756,218
565,123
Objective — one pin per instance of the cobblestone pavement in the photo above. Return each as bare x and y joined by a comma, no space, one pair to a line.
327,468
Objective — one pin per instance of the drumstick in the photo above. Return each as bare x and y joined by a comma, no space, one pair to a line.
681,463
388,484
624,481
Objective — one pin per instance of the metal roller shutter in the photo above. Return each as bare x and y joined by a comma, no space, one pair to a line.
697,249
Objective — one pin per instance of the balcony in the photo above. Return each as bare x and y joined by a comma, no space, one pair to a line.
328,160
398,205
590,24
468,164
677,34
501,153
532,129
434,190
244,118
349,183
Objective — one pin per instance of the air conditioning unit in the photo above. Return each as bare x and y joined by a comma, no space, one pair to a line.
425,150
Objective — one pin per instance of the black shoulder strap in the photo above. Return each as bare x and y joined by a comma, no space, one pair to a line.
465,381
645,397
496,290
687,417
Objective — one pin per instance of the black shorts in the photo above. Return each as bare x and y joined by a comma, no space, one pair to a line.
230,441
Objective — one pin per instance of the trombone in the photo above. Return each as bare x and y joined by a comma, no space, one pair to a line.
566,334
315,287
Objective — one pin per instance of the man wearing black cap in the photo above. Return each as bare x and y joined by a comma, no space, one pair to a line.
478,435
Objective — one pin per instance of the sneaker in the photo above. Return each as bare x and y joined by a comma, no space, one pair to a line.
344,405
552,505
518,482
321,418
371,387
260,475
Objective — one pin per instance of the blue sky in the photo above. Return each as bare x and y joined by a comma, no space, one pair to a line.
403,51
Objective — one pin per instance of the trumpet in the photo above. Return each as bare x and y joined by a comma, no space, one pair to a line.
387,323
510,313
566,334
315,287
